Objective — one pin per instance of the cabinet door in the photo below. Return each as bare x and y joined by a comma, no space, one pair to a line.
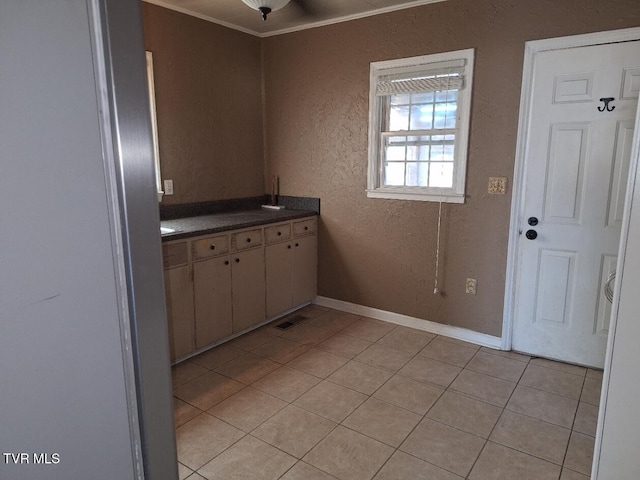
248,288
179,298
212,295
279,276
305,269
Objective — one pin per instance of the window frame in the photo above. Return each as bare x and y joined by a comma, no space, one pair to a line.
378,117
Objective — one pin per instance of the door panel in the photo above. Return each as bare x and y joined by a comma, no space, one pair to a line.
576,168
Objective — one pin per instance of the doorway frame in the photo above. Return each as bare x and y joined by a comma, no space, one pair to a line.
531,50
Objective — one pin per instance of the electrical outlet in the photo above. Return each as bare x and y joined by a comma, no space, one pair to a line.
168,187
497,185
472,286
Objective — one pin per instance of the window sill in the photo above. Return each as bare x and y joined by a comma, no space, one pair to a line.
415,196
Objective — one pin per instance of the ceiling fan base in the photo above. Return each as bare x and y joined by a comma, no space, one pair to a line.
264,11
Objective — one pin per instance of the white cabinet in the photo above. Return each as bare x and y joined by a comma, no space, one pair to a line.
219,285
179,299
290,266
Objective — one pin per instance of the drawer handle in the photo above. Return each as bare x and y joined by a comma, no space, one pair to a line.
248,240
212,247
306,228
289,247
237,260
279,233
297,245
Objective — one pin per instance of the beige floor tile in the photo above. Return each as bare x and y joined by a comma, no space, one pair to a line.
483,387
406,339
409,394
465,413
251,340
497,366
530,435
317,362
307,334
455,341
294,430
344,345
431,371
349,455
334,321
580,453
448,352
331,401
217,356
382,421
360,377
183,412
586,420
405,467
554,381
195,476
501,463
183,471
571,475
384,357
368,329
444,446
508,354
312,310
247,409
280,350
544,406
563,367
203,438
304,471
249,459
206,391
247,368
184,372
595,374
286,383
591,391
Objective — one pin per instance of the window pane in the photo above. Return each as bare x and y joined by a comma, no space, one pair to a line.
394,174
398,118
422,98
395,153
401,99
441,174
421,117
445,115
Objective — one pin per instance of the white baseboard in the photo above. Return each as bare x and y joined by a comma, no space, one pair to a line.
412,322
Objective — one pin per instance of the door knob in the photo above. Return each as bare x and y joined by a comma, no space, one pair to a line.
533,221
531,234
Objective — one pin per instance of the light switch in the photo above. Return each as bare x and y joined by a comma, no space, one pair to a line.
497,185
168,187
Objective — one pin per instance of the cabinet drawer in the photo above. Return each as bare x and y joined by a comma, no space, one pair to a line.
175,254
277,233
245,240
304,227
210,247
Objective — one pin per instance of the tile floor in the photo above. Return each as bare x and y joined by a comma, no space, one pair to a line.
340,396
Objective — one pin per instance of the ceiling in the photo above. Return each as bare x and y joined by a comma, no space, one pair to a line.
237,15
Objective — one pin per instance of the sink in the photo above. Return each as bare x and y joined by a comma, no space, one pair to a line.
165,230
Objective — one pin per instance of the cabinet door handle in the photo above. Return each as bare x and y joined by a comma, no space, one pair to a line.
212,247
306,228
237,260
289,247
279,233
248,240
226,262
297,245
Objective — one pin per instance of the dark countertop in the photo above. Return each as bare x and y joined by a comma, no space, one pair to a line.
221,222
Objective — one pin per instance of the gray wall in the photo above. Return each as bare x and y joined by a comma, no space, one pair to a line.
66,382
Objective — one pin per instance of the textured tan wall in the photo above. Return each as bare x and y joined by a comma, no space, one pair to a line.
208,82
381,253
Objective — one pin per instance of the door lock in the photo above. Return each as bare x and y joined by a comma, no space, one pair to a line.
533,221
531,234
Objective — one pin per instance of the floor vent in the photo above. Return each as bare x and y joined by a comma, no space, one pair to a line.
291,322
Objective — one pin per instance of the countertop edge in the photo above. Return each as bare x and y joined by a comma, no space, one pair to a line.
184,232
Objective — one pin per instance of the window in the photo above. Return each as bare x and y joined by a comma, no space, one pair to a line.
418,127
154,124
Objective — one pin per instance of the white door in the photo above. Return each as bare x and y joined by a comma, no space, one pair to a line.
576,170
